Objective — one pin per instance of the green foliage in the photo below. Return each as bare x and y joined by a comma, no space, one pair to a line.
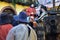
14,3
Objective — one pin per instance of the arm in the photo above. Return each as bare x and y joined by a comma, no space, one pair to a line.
10,35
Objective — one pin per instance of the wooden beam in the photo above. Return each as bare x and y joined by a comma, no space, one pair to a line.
53,4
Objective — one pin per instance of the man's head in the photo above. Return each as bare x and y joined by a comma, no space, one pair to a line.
23,17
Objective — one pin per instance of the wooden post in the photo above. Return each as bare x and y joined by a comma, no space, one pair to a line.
53,4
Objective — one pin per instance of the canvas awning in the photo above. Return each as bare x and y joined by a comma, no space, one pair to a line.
51,5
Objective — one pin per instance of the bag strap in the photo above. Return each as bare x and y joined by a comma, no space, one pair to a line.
29,30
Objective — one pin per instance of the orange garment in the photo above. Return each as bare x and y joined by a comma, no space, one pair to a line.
4,29
30,11
34,24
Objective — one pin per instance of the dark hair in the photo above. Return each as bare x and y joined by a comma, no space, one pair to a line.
5,18
23,22
44,7
52,22
35,15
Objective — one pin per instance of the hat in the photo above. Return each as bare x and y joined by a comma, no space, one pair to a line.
16,17
23,17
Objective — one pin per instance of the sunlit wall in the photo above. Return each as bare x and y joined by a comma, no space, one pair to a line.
18,7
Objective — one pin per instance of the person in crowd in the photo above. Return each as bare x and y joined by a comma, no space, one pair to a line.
5,25
22,31
31,10
44,12
14,19
40,30
38,10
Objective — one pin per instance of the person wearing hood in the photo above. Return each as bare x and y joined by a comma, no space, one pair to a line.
5,25
22,31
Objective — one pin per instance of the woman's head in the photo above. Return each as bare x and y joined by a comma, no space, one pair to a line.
5,18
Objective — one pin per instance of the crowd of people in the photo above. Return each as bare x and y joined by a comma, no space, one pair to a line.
22,26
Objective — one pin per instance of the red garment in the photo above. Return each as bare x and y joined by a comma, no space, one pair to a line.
30,10
4,29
